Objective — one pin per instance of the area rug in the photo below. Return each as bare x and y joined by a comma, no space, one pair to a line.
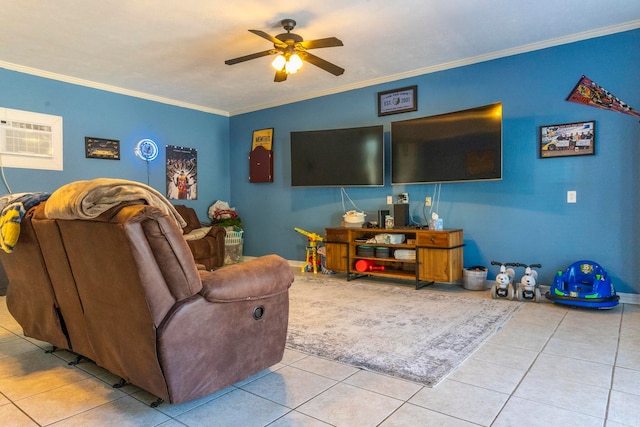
418,335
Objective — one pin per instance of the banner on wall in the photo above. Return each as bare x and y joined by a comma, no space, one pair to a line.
587,92
182,173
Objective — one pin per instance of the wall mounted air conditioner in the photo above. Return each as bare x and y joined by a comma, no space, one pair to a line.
30,140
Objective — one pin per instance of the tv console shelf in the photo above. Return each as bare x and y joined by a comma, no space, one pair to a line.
438,254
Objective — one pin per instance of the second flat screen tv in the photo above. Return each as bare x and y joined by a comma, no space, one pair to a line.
458,146
338,157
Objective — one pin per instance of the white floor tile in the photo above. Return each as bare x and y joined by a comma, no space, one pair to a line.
624,408
412,415
519,412
549,389
237,408
573,369
493,376
628,358
289,386
593,351
626,380
69,400
122,412
345,405
14,417
474,404
520,337
513,357
296,419
326,368
36,382
389,386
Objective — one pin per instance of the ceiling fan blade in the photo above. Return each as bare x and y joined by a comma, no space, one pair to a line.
280,76
319,62
315,44
249,57
272,39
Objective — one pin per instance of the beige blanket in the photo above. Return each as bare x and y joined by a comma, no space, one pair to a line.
88,199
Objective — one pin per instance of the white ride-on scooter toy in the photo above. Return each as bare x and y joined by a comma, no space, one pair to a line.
504,287
529,289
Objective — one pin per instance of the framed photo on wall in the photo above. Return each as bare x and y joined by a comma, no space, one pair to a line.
398,101
100,148
569,139
182,173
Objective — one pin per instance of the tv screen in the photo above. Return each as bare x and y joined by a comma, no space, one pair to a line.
458,146
338,157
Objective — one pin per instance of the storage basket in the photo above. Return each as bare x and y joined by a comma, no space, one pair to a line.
233,238
474,278
233,247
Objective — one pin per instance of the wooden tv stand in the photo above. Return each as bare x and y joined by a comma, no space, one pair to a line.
439,254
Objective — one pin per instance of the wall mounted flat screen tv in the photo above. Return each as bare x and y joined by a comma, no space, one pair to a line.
458,146
338,157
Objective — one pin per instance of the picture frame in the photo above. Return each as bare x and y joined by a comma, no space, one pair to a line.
567,140
398,101
101,148
262,138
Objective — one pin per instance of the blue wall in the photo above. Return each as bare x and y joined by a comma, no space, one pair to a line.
524,217
96,113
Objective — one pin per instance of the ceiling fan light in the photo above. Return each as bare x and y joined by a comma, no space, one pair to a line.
290,68
278,62
295,61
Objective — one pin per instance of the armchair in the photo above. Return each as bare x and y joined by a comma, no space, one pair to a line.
206,243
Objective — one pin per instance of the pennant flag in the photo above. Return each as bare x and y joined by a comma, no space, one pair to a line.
587,92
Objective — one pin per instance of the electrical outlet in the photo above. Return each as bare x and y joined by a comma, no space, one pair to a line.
427,201
571,197
389,200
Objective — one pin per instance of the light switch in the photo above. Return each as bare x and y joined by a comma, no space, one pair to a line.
571,196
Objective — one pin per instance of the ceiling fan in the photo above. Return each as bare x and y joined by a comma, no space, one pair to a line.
291,50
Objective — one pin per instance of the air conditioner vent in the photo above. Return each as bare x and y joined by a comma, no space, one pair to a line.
26,139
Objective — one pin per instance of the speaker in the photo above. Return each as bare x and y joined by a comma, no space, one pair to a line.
401,214
382,216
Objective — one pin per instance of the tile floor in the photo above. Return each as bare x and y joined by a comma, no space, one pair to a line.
549,366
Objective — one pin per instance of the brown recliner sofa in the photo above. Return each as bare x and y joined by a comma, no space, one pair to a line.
31,299
206,243
141,308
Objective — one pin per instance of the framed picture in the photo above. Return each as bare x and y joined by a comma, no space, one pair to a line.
398,101
262,138
182,173
100,148
570,139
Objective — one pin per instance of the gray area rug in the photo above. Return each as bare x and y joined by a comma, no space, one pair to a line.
418,335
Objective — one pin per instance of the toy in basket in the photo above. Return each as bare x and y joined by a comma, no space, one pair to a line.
233,247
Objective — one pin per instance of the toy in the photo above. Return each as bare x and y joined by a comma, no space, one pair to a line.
368,265
312,260
528,288
503,288
584,284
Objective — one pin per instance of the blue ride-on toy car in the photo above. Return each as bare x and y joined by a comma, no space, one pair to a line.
584,284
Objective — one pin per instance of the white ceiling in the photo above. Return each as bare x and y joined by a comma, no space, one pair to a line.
174,51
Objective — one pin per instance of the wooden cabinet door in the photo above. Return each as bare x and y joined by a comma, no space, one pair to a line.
440,265
336,256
